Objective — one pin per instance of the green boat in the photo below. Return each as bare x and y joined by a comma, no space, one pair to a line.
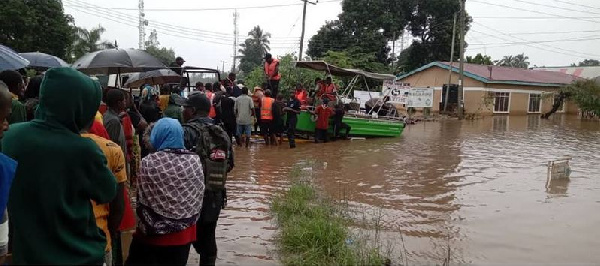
363,125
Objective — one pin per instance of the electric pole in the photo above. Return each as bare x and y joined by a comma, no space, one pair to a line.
462,61
451,60
235,39
142,23
304,26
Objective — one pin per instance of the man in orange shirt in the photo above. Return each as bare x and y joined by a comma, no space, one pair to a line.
108,216
272,73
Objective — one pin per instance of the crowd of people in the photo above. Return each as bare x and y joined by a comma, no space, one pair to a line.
81,164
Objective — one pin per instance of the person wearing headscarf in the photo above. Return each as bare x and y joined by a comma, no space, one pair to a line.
149,107
58,174
170,193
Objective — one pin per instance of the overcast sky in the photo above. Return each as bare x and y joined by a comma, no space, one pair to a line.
550,32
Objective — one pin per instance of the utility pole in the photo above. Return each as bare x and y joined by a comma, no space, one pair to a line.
223,68
235,39
304,26
142,23
451,60
462,61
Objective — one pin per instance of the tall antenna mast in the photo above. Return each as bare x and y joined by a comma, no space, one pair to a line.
236,15
142,26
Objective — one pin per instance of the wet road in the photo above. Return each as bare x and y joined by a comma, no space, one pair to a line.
477,187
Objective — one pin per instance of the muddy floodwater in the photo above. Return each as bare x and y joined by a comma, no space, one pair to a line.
477,187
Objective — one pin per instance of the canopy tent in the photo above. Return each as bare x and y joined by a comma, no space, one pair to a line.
342,72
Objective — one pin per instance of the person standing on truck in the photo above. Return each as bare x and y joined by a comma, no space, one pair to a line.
272,73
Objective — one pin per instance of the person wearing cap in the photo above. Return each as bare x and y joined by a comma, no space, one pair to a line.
59,173
177,66
195,113
323,112
272,73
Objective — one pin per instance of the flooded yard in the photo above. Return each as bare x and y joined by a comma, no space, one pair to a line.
477,188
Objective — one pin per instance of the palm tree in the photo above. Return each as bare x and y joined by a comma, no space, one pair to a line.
87,41
517,61
260,38
254,49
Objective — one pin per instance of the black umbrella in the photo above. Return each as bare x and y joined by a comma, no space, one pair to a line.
10,60
42,60
154,77
117,61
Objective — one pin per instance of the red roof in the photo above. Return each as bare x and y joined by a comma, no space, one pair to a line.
500,74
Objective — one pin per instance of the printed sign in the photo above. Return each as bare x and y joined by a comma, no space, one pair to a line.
420,97
397,92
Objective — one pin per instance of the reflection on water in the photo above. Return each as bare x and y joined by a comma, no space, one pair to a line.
476,186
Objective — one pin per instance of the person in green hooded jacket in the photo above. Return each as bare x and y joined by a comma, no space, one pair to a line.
174,109
58,173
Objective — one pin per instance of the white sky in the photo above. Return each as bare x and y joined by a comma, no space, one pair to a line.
204,38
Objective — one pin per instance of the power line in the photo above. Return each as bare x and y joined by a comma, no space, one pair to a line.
168,29
210,9
533,11
552,32
541,47
573,4
527,18
210,34
587,38
556,7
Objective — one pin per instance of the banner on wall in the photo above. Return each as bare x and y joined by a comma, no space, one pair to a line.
420,98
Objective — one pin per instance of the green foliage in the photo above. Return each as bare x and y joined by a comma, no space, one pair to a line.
517,61
586,94
480,59
35,26
353,59
587,62
87,41
312,232
254,49
165,55
431,24
365,27
290,75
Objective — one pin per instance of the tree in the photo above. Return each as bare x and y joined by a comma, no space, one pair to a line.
431,23
480,59
166,56
364,28
290,75
585,93
517,61
587,62
254,48
88,41
35,25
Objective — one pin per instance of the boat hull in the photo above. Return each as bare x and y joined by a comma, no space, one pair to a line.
361,127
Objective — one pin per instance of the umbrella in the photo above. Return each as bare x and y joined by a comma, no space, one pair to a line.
43,60
154,77
10,60
117,61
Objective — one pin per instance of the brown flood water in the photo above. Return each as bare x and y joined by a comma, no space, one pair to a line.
476,186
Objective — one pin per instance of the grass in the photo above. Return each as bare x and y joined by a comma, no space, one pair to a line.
314,231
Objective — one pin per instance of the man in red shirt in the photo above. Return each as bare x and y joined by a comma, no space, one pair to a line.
323,113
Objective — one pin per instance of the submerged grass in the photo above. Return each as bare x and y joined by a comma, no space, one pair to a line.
313,231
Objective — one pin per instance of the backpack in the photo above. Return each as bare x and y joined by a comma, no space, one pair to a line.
213,147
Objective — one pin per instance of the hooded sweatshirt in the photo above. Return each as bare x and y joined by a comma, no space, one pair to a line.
58,173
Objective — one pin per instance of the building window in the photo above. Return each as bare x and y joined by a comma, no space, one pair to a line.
535,103
501,102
